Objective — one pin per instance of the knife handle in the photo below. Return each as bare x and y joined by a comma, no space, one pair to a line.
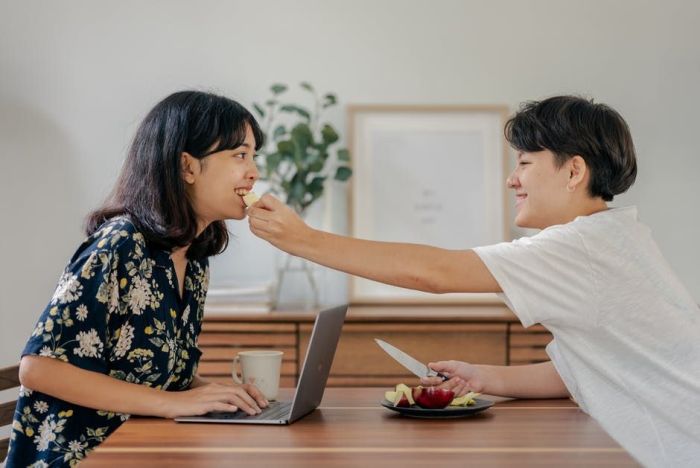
438,374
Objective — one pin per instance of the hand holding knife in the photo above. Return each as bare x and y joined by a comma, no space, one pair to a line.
410,363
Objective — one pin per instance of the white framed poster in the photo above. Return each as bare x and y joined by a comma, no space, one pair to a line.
429,175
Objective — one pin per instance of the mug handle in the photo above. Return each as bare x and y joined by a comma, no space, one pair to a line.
236,360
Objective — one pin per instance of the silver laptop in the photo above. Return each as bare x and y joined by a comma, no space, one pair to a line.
312,381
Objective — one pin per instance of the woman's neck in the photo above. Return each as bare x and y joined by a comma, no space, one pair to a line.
179,253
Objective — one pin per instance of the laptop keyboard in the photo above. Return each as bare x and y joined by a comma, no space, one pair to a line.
275,410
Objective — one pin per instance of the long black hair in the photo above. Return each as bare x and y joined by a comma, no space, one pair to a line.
572,125
150,188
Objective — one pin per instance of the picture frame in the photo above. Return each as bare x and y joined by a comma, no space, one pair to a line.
430,175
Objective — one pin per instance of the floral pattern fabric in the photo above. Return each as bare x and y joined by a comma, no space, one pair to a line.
117,311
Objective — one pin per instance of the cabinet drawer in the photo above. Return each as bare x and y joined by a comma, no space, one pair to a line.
527,346
223,368
227,353
245,327
285,380
221,341
359,361
389,382
530,339
528,356
247,340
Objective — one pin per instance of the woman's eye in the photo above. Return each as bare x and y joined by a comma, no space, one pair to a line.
240,155
522,163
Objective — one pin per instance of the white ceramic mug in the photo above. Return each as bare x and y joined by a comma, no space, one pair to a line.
261,368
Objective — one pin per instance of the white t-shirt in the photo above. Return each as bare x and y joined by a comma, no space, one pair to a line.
626,331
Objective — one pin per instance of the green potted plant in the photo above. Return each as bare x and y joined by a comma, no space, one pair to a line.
301,150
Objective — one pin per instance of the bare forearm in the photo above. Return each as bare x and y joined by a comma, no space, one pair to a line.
529,381
392,263
198,382
90,389
411,266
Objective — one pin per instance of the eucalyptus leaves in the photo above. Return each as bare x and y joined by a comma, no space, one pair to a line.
297,158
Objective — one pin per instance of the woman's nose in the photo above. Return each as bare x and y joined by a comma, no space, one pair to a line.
253,173
512,181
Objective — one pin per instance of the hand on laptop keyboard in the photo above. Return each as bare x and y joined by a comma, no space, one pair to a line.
214,397
274,410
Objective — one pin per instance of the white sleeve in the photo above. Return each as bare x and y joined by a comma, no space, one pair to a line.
544,278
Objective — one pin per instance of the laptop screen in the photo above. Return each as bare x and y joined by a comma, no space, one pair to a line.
318,361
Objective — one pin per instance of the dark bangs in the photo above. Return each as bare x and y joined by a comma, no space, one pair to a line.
531,130
150,188
226,130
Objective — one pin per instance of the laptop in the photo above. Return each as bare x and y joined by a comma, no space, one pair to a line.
312,381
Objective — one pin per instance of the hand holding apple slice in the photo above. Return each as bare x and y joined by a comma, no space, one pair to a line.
250,198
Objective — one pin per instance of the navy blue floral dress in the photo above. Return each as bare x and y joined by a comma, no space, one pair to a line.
116,311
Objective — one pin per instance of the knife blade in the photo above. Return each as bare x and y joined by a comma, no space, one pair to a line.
409,362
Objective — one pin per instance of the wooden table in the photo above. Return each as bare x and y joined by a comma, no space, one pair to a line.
351,429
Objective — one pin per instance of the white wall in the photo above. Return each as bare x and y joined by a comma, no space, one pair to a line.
77,76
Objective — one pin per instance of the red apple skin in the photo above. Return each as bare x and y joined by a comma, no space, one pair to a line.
432,397
403,402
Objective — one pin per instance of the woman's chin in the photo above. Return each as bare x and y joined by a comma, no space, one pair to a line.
235,214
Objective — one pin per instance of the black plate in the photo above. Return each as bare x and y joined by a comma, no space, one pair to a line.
449,412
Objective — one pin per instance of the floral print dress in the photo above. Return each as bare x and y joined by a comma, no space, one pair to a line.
116,311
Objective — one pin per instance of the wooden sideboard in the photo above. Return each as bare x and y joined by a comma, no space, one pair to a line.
479,334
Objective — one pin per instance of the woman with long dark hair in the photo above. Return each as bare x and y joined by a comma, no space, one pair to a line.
119,335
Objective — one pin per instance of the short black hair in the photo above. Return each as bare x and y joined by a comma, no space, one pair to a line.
572,125
150,188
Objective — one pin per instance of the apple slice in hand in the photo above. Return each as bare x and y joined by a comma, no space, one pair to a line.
250,198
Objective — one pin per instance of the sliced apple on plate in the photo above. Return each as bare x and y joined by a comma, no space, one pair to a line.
432,397
404,396
401,397
465,400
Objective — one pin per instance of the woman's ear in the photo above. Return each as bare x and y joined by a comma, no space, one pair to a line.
190,167
577,172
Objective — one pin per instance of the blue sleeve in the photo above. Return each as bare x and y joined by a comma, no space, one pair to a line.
75,325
